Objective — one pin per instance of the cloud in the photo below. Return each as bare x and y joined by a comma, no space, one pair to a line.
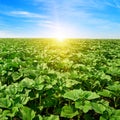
89,17
47,24
81,17
25,14
7,34
80,9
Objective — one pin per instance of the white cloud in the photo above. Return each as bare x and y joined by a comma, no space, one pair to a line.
46,24
24,14
7,34
74,17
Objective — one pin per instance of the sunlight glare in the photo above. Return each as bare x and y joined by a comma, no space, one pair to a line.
59,35
60,38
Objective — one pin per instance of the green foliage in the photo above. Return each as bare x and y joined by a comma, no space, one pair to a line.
5,102
80,94
42,79
27,113
68,112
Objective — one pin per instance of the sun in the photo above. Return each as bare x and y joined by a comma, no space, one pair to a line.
60,36
59,32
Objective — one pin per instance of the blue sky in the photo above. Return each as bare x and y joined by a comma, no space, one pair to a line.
52,18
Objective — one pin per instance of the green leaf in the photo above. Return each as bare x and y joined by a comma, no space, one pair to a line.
84,106
5,102
12,89
102,118
73,94
24,98
115,87
15,110
105,93
27,113
39,87
68,112
115,115
39,80
51,117
80,94
79,104
91,95
2,87
115,118
99,108
16,76
87,107
8,113
70,83
39,83
26,82
2,117
39,117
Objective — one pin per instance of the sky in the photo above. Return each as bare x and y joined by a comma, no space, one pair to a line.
54,18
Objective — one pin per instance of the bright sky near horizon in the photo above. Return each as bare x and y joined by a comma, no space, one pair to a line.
48,18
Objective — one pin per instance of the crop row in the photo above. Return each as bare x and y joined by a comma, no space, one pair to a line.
48,80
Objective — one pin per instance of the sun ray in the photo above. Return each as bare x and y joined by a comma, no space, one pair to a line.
59,33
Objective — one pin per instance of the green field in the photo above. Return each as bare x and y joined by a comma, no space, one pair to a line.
42,79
